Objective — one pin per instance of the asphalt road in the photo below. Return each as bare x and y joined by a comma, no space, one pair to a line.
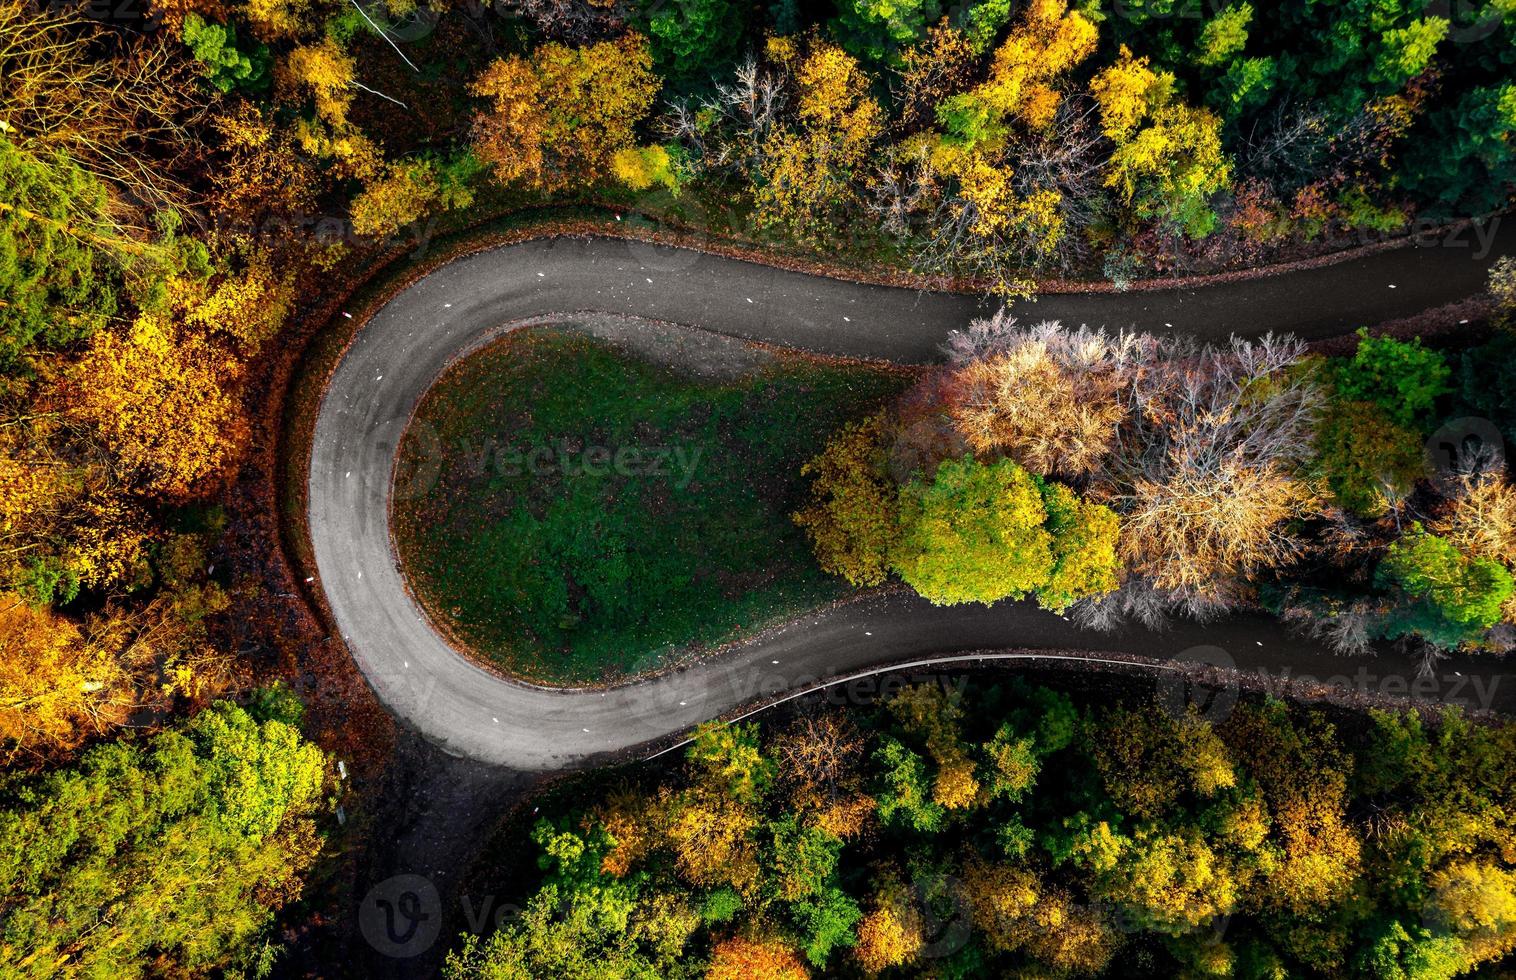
402,349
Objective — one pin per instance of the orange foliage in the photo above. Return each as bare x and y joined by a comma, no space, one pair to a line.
160,400
557,119
55,688
755,959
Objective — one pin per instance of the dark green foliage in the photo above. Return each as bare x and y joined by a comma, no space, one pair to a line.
277,702
1487,382
587,568
880,30
56,288
1402,378
1368,459
227,66
1467,162
693,38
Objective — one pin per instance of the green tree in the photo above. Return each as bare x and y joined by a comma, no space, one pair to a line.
57,286
827,922
802,859
1367,458
168,855
1467,160
689,38
974,533
1224,36
1398,953
1451,598
1085,563
905,791
1405,51
1402,378
227,66
880,30
731,756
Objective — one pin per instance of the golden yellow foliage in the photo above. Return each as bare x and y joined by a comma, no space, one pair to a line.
1167,150
890,935
55,689
260,168
755,959
277,18
955,786
404,193
852,518
1304,783
806,173
247,302
1477,900
1047,42
631,819
161,401
325,71
352,153
557,119
932,71
641,167
844,817
1482,520
66,511
712,838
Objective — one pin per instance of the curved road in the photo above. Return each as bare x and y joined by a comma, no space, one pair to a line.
401,350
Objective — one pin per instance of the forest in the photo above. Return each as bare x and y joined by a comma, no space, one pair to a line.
995,828
188,188
1130,478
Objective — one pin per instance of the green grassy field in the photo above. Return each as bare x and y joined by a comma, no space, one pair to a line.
594,515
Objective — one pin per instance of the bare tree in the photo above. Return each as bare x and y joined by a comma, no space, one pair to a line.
727,133
1206,464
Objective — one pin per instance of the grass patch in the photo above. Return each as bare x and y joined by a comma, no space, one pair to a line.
593,515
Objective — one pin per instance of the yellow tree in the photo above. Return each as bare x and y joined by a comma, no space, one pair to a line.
55,688
63,521
325,72
892,933
712,835
977,218
405,192
557,119
1168,159
853,515
806,173
888,936
739,958
162,401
